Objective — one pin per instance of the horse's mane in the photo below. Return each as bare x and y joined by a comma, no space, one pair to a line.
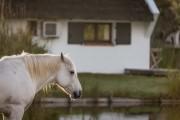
41,65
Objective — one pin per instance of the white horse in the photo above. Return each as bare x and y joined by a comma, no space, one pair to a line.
22,76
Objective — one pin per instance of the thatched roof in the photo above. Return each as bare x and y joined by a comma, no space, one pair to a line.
133,10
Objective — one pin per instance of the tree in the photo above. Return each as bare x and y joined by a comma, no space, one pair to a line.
175,6
169,21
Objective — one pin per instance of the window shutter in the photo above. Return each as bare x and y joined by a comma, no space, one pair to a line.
32,25
75,34
123,33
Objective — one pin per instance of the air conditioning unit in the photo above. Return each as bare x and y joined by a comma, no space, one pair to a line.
50,29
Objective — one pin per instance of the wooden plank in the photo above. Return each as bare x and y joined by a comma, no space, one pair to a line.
150,72
155,57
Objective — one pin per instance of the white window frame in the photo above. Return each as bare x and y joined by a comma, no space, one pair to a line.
44,29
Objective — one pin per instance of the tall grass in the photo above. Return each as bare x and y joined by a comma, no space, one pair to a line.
174,85
15,43
170,58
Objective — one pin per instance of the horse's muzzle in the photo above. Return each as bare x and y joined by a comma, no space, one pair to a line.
76,94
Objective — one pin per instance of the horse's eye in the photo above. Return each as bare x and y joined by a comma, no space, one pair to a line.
72,72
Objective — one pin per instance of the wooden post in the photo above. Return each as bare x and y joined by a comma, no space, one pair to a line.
155,57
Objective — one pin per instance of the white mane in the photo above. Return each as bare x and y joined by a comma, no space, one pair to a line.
41,65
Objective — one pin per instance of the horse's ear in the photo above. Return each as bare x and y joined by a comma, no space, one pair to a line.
62,57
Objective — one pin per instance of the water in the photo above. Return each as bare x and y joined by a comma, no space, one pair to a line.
44,112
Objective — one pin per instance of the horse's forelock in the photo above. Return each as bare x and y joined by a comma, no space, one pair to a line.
68,61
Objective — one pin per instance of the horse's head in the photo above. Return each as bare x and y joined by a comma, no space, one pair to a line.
67,78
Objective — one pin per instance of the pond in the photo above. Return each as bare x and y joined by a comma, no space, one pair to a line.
46,112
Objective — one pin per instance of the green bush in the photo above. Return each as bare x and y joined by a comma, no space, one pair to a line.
170,58
15,43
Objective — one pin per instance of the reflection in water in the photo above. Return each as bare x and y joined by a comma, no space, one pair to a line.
38,112
90,113
105,116
170,113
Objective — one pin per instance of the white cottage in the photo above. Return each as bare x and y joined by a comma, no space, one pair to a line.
102,36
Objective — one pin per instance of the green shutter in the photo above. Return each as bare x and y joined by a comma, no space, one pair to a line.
75,34
123,33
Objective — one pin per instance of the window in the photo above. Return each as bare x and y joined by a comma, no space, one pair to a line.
104,32
50,29
33,27
97,33
89,32
123,33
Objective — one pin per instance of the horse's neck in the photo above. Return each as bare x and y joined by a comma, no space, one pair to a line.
42,83
42,70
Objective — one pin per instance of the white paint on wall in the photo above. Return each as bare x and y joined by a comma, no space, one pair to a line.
104,59
101,59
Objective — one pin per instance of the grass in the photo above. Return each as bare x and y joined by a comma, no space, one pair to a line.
100,85
174,86
124,85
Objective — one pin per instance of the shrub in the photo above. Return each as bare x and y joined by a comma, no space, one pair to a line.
15,43
170,58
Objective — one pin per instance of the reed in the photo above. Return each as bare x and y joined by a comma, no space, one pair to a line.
174,85
15,43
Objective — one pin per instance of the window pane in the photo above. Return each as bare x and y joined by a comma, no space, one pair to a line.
50,29
89,32
103,32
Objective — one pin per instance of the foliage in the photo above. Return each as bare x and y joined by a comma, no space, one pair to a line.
176,9
15,43
171,58
169,21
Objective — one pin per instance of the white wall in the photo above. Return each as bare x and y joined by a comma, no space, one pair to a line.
104,59
100,59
